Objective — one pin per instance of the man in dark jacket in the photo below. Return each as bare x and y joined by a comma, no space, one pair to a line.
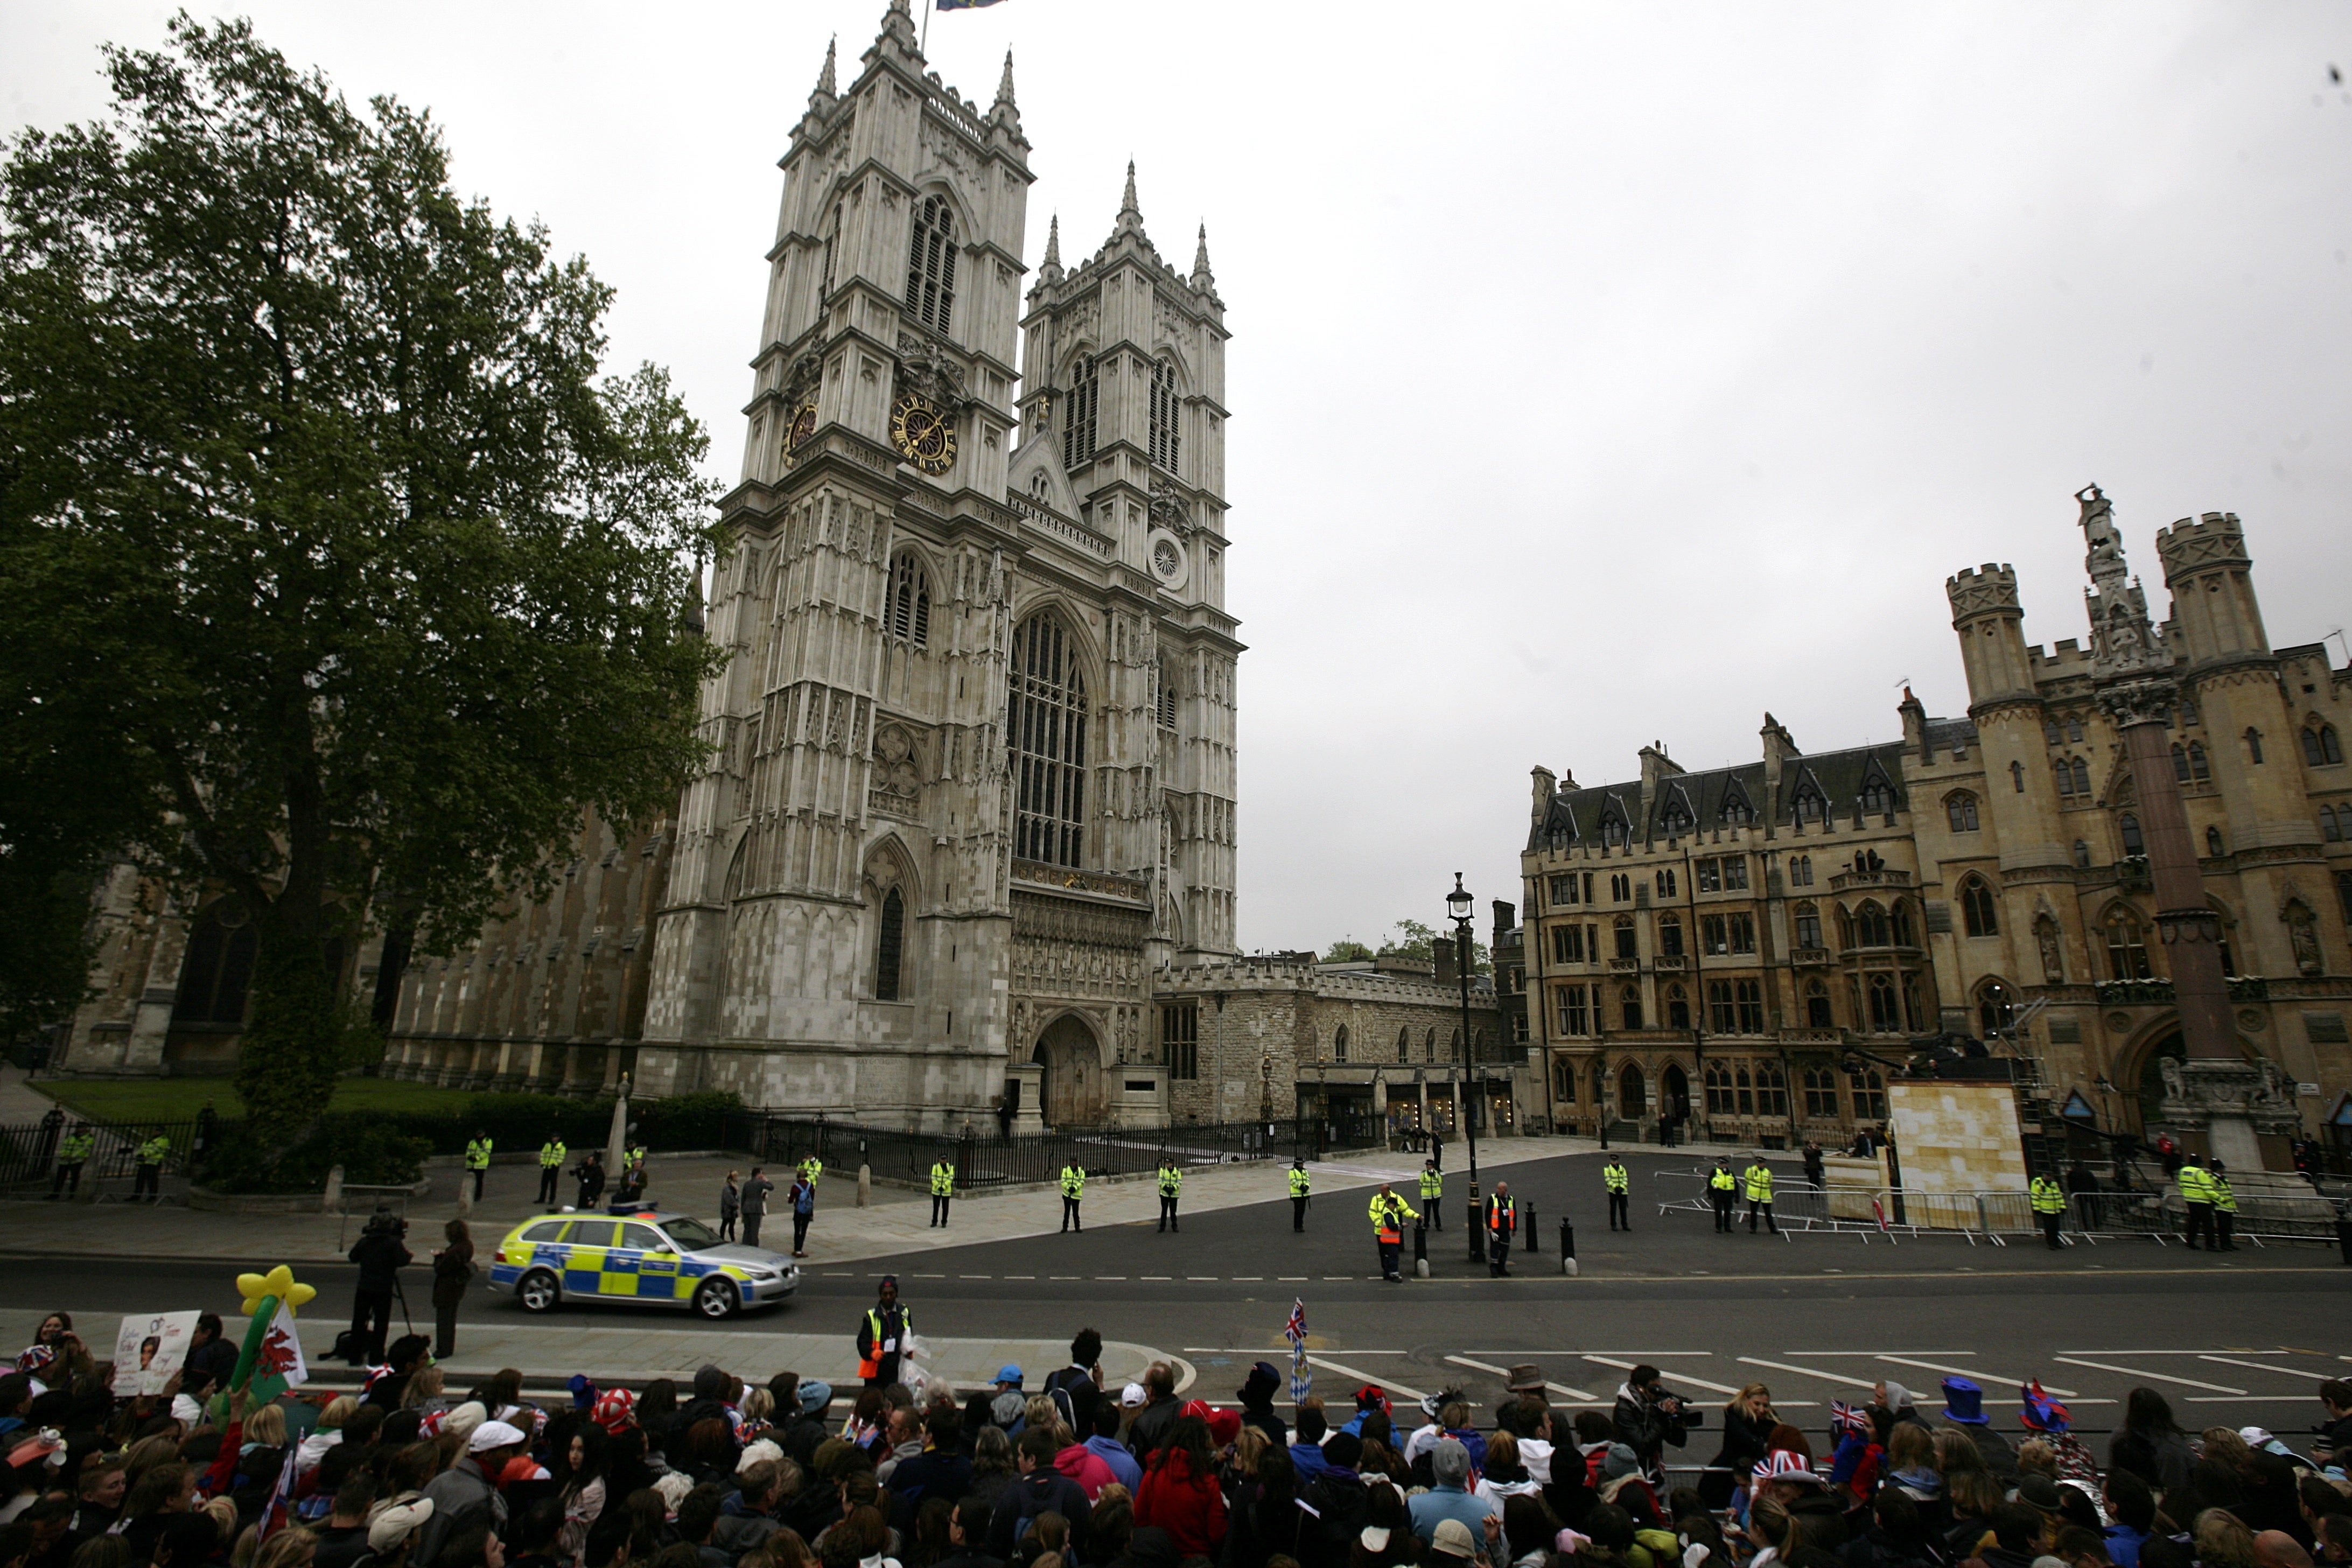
1078,1387
1257,1394
380,1256
408,1353
756,1188
209,1354
1157,1416
940,1470
1647,1417
968,1533
1041,1489
345,1539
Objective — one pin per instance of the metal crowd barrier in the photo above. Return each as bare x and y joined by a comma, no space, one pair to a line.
1993,1217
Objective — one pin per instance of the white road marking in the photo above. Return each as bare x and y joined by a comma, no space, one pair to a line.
1842,1382
2258,1366
1577,1394
2142,1371
1344,1370
2248,1398
1695,1382
1982,1377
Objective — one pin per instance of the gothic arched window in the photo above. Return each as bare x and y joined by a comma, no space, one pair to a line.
1339,1044
2081,776
831,245
1678,1013
2081,854
2200,771
2128,826
1976,907
1404,1044
1046,734
217,969
1871,927
910,600
890,946
1166,694
1809,925
1164,436
1996,1008
1629,1003
1670,935
1961,811
2181,762
2017,778
1078,409
2320,745
1720,1015
2328,827
930,264
1809,804
2127,946
1878,797
1628,942
1719,1090
1429,1047
2254,744
2213,841
1817,1005
1886,1008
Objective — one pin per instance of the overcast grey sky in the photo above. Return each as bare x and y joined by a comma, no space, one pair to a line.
1599,372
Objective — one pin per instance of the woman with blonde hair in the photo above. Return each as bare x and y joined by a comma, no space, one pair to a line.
1747,1423
2223,1541
292,1547
328,1433
423,1391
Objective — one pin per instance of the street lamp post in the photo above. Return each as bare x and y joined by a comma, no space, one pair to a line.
1458,905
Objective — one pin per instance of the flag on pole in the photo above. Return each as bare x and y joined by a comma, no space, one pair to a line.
281,1357
1302,1380
274,1510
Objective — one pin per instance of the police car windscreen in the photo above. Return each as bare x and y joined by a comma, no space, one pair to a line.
689,1233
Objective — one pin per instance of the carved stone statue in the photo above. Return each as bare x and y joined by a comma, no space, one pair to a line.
2170,1068
2053,956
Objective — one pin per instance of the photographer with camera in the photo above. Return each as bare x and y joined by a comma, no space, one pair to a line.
381,1255
1647,1417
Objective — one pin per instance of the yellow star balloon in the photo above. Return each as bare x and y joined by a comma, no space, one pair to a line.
279,1282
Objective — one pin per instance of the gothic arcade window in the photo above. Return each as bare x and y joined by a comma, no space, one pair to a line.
1563,1081
891,947
1628,945
1628,1003
1772,1090
1736,812
2199,770
1429,1047
2127,946
1670,935
1079,405
1886,1008
1621,888
910,600
2128,826
1821,1093
1960,810
1568,944
1664,882
1454,1046
1180,1039
1869,1091
1878,797
218,967
2320,745
1801,870
1808,926
1811,804
1676,818
930,264
1047,733
2074,731
1163,415
1564,890
1976,907
1871,927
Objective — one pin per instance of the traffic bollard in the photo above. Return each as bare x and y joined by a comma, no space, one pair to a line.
1566,1246
1528,1234
1421,1251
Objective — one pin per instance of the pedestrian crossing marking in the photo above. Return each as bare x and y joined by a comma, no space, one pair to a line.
2142,1371
1979,1374
1362,1377
2258,1366
1842,1381
1681,1377
1557,1387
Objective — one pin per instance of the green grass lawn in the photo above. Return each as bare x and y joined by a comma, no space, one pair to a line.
180,1098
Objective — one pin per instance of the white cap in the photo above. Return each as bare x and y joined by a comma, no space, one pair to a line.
492,1435
1131,1396
392,1526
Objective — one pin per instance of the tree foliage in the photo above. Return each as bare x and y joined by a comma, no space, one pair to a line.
315,505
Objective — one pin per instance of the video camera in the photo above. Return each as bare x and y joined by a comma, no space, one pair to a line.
384,1222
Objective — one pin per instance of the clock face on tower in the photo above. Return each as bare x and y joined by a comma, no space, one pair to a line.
802,427
922,435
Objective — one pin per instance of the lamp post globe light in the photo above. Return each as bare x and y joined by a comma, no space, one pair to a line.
1457,907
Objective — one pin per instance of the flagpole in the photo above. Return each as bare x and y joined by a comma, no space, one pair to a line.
924,48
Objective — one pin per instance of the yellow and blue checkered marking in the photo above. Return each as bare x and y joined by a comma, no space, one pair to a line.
614,1272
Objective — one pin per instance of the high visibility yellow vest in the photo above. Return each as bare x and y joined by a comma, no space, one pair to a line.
76,1148
942,1179
550,1154
1073,1181
2218,1188
155,1151
2048,1198
635,1156
2194,1187
812,1168
1759,1184
478,1154
1722,1181
1617,1177
1170,1179
1298,1183
1389,1212
1432,1186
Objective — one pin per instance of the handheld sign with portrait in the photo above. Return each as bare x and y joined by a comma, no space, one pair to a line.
149,1349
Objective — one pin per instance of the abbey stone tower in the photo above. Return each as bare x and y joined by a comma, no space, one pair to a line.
973,783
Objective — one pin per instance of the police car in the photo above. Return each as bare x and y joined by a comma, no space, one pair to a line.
648,1258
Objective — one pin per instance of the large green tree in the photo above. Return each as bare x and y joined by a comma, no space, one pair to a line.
323,540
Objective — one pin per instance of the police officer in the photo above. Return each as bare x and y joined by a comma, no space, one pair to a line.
2197,1196
73,1154
1502,1224
1432,1194
1759,1177
551,1155
1721,1185
1620,1183
2048,1209
477,1160
1389,1212
1298,1193
1074,1187
1171,1182
812,1168
2225,1204
590,1174
147,1180
634,1163
943,1190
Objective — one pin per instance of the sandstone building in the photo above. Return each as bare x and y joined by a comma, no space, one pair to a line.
1708,946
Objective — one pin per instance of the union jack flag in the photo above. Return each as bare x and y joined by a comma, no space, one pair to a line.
1302,1380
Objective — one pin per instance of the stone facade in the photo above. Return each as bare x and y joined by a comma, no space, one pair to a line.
1988,875
1363,1045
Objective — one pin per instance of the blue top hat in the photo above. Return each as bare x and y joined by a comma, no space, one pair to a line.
1964,1401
